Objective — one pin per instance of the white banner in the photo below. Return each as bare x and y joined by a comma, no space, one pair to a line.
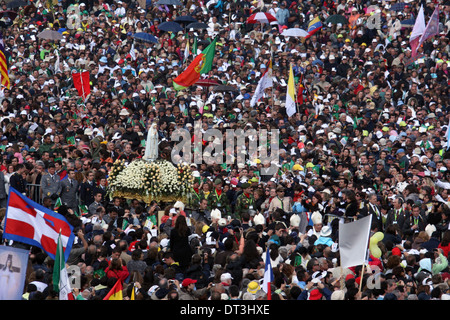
354,241
13,267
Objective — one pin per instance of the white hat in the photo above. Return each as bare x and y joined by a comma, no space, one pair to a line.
88,131
326,231
429,229
316,217
225,276
294,220
216,214
179,205
259,219
222,222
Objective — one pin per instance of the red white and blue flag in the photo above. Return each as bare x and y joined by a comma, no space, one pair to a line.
268,276
28,222
432,28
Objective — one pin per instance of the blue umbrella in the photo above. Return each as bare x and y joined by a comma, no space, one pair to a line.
317,61
399,6
170,26
185,19
169,2
146,37
197,25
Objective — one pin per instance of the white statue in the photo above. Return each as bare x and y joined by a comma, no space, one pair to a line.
151,146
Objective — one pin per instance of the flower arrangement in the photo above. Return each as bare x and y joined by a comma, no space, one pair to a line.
169,178
185,177
156,180
151,178
117,168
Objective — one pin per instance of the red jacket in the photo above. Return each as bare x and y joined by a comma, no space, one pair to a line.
118,274
446,249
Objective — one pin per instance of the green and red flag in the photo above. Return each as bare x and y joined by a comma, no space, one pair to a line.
58,204
61,283
83,210
201,64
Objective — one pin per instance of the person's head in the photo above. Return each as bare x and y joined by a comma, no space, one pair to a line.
372,198
397,203
415,210
203,204
98,197
91,175
51,168
71,174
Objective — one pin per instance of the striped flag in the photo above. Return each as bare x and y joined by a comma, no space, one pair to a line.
58,204
116,292
268,276
3,65
29,222
314,26
417,31
82,83
61,281
432,28
83,209
290,96
195,49
201,64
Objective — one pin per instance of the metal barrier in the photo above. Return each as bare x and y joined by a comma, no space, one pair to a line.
34,192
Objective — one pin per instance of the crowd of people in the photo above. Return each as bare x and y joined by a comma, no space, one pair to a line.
369,138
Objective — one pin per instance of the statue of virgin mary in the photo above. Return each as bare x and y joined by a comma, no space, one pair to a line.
151,146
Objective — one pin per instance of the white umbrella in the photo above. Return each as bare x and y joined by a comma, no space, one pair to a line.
294,32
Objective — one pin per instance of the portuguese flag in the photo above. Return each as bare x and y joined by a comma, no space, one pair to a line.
201,64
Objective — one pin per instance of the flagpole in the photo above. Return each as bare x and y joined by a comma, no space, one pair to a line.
270,62
361,278
82,86
295,92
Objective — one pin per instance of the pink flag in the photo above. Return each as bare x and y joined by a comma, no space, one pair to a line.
432,28
417,32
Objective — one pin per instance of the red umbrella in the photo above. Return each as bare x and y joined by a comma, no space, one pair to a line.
261,17
206,82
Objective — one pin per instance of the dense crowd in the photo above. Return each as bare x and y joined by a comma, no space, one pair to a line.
369,138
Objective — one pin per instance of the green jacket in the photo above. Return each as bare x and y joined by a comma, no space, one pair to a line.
243,204
440,264
219,201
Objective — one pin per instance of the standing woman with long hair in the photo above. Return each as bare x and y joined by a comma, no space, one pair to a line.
179,242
